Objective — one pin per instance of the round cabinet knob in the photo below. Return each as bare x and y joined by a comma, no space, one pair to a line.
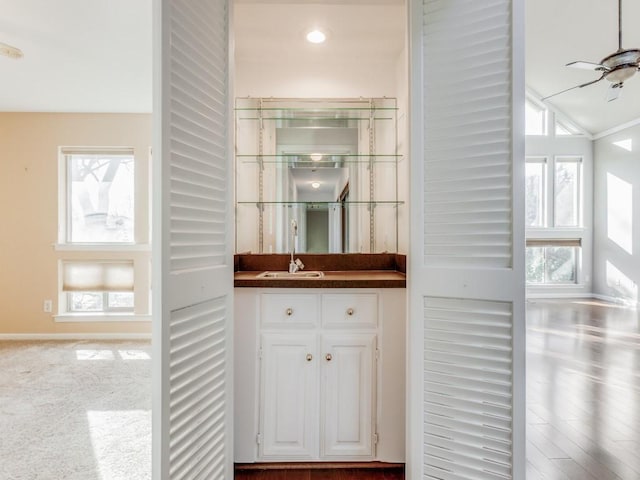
329,357
350,311
309,357
289,312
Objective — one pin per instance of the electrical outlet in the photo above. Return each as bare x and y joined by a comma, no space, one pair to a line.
47,306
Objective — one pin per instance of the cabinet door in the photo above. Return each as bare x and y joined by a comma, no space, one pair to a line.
289,404
348,371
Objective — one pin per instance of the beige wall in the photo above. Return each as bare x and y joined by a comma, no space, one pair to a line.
29,210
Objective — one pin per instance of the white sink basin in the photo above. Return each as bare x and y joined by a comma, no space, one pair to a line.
309,274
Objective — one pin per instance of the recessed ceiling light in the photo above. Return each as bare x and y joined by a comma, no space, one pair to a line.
315,184
316,157
316,36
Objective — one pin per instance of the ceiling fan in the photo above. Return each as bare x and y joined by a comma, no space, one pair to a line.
9,51
616,68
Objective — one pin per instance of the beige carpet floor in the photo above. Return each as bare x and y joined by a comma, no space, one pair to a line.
75,410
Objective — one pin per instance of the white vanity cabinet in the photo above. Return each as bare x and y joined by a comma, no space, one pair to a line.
326,380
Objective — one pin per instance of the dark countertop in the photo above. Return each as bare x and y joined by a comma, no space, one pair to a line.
340,271
335,279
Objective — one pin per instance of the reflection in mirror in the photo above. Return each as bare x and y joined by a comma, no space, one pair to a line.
330,165
314,178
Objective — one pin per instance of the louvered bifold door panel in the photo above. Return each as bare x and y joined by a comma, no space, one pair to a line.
193,262
467,389
197,398
198,175
467,105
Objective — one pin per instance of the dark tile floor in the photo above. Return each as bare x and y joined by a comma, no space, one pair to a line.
285,473
583,391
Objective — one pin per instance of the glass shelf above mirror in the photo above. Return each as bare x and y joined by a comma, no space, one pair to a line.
320,159
312,204
324,110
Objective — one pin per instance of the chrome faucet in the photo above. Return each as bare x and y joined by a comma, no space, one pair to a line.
294,265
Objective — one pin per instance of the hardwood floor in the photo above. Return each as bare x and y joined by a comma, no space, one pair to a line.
583,391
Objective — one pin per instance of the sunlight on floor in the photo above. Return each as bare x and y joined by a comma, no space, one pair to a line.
112,355
95,355
121,443
598,303
134,355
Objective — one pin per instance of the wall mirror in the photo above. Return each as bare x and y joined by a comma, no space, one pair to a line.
328,165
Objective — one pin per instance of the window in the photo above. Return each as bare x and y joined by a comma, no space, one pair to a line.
535,118
98,285
567,191
562,202
564,128
100,302
104,235
552,261
100,197
535,191
552,213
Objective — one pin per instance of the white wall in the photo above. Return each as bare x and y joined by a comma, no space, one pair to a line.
616,221
308,78
402,81
289,75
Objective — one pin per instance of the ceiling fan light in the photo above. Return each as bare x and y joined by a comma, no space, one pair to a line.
315,185
619,75
622,57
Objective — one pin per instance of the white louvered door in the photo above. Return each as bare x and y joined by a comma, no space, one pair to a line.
466,370
193,263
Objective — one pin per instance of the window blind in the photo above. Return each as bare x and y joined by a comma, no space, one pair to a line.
554,242
97,276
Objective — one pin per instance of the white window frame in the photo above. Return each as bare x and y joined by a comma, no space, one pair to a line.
570,128
138,252
578,159
105,302
530,100
558,242
545,189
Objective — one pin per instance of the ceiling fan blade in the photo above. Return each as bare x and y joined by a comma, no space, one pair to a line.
586,65
572,88
613,92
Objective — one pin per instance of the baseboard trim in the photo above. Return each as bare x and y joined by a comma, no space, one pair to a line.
541,295
605,298
620,301
75,336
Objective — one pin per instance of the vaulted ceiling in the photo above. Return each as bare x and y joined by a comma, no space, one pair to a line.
559,32
95,55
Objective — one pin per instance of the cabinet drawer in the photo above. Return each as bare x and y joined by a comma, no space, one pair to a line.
350,310
289,310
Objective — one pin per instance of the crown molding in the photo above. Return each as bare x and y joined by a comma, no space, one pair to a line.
619,128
